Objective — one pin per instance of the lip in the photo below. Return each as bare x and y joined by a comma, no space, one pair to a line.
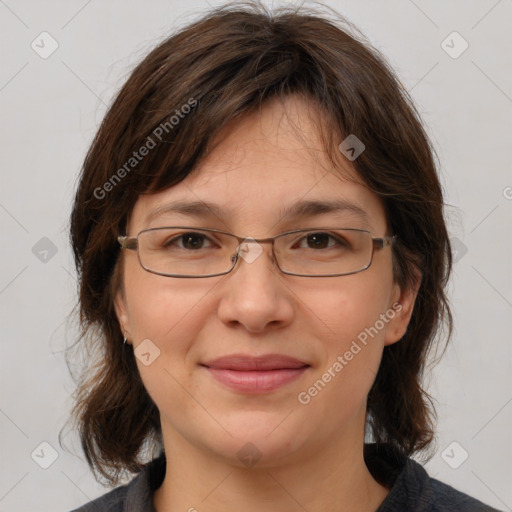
260,374
242,362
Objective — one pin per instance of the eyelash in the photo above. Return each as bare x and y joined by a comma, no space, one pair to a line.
171,241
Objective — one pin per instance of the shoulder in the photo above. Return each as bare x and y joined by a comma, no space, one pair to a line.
441,497
412,489
136,495
113,501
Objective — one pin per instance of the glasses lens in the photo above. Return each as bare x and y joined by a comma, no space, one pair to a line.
186,251
194,252
324,252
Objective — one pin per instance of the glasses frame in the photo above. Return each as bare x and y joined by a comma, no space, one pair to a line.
132,244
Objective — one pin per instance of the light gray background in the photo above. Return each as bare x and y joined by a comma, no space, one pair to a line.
50,110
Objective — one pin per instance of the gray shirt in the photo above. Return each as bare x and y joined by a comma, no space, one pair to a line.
411,489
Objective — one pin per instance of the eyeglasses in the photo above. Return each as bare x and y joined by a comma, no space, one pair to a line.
179,251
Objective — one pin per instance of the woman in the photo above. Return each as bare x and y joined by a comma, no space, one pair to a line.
263,256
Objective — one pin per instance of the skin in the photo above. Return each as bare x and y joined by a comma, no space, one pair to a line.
311,455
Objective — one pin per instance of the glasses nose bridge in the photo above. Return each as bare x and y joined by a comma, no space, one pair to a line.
250,240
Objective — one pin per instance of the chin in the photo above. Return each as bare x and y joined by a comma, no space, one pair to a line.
258,440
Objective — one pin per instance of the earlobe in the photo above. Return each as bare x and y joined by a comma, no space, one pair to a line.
121,313
403,307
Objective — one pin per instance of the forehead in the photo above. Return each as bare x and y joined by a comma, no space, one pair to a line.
269,168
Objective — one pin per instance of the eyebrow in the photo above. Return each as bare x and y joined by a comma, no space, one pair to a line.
300,210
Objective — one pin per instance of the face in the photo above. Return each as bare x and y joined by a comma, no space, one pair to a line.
265,163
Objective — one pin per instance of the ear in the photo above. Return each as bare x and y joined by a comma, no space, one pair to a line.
122,313
402,304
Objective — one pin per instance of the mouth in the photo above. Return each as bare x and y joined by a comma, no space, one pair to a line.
254,375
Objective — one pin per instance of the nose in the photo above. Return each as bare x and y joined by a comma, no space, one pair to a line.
254,294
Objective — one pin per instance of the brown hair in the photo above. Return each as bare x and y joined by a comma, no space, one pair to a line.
230,63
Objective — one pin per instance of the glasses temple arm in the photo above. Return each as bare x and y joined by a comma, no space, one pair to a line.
385,241
128,243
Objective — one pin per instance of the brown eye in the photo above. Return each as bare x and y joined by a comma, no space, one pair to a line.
193,240
189,241
321,241
318,240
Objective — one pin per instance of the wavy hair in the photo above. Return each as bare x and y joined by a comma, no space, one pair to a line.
231,61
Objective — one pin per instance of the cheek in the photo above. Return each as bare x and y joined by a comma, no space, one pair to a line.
166,317
346,306
171,314
350,315
351,349
160,308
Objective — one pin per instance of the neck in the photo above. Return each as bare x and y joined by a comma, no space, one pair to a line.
335,478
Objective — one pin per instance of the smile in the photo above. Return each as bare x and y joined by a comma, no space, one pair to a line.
248,373
256,381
